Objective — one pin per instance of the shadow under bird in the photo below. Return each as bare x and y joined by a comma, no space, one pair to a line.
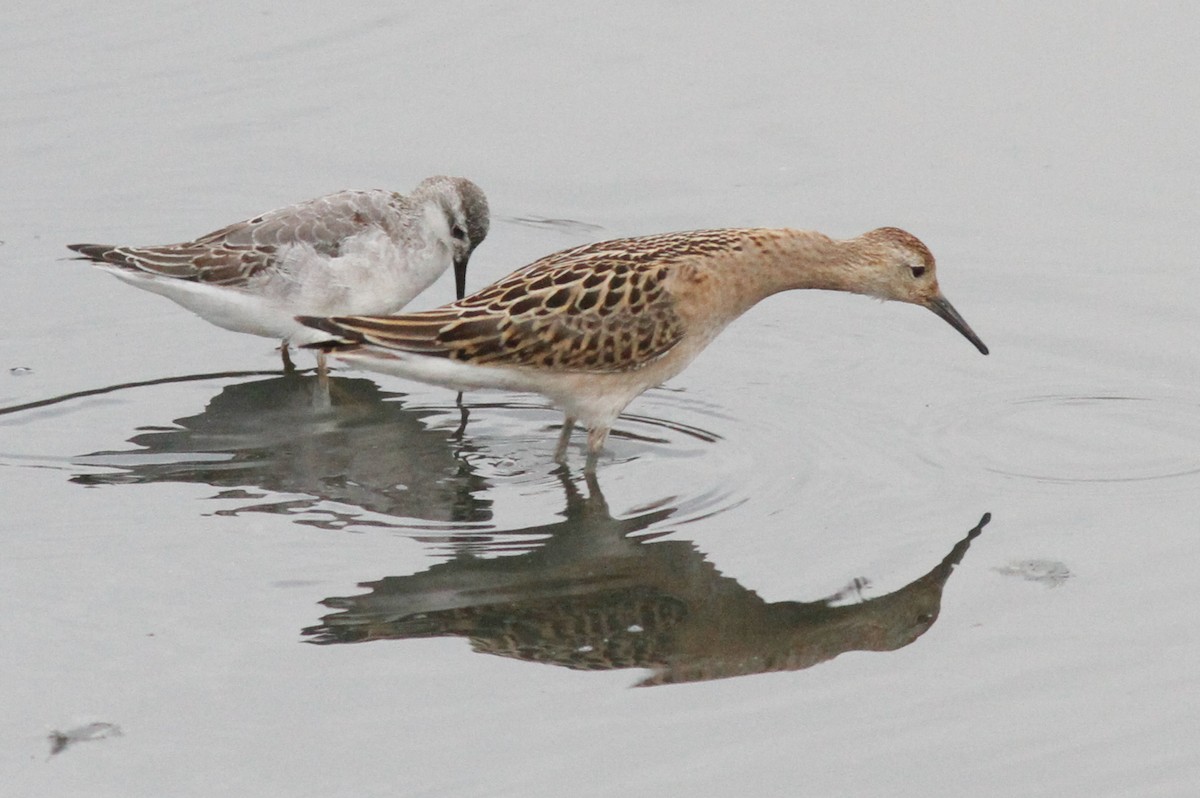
591,328
353,252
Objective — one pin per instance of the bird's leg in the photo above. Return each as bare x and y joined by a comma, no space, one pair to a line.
464,413
596,438
322,395
288,366
564,437
322,371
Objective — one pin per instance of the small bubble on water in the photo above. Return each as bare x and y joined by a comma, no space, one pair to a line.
20,371
1051,573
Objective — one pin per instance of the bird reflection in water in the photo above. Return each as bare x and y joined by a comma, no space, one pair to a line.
597,596
351,445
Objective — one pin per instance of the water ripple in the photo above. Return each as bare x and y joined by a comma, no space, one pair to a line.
1138,440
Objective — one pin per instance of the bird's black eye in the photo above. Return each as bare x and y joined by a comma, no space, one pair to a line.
917,271
458,233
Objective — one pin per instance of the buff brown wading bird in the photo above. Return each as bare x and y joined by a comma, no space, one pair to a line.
591,328
365,252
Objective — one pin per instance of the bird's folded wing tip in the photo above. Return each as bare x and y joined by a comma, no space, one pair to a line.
343,338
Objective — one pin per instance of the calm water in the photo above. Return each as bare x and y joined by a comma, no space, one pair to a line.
849,555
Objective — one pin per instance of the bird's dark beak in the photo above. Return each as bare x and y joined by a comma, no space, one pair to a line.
941,306
460,275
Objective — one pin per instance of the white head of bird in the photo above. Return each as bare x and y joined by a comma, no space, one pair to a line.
458,210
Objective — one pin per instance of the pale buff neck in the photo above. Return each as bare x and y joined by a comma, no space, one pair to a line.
785,259
771,261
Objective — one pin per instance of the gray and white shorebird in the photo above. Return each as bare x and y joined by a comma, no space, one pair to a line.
350,253
591,328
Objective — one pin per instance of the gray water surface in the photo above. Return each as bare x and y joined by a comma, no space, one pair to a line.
843,553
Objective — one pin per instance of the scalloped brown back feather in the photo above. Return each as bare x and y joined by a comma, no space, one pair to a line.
621,314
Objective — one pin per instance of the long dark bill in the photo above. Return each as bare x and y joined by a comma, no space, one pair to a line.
460,276
943,308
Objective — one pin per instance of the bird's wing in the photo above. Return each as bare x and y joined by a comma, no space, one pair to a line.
596,308
322,223
232,255
198,263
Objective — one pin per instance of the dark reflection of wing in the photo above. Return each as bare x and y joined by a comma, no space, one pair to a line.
595,598
354,445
